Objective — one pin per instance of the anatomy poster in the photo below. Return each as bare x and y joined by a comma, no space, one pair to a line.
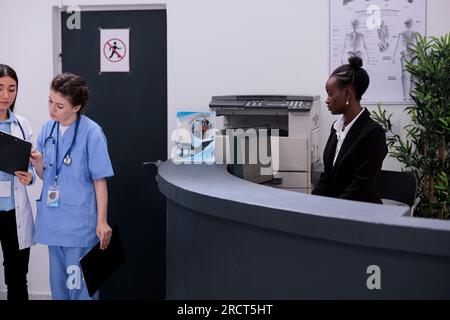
380,32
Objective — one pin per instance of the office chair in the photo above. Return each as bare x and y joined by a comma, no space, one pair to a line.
398,186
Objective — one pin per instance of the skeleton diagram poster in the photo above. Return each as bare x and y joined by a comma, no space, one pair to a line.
379,31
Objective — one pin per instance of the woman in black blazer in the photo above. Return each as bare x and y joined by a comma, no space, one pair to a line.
356,146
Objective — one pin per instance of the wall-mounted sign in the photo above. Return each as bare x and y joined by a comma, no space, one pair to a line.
380,32
114,50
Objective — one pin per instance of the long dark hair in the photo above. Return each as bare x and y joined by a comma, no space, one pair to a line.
7,71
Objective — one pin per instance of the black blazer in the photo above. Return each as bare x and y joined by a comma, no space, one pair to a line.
359,161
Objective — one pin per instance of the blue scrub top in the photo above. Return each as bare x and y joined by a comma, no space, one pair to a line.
73,223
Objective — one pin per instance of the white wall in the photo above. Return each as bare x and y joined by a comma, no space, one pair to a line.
214,47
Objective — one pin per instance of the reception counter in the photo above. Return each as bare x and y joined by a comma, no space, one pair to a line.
228,238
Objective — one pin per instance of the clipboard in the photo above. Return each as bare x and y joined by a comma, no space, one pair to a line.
17,153
98,265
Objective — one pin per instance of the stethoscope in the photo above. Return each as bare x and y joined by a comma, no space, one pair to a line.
21,129
67,159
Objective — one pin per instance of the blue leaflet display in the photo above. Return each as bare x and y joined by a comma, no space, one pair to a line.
194,137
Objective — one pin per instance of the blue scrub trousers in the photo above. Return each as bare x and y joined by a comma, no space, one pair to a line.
66,277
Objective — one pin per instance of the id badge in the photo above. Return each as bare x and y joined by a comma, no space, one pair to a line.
53,197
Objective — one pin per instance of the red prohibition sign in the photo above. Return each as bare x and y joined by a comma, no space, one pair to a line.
111,50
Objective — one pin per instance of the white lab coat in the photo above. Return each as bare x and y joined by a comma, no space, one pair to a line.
24,215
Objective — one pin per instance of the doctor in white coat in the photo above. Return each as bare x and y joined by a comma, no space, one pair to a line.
16,219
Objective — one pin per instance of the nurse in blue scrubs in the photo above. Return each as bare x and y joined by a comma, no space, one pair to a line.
73,162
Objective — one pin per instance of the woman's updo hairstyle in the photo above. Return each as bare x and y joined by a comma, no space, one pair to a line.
354,75
73,88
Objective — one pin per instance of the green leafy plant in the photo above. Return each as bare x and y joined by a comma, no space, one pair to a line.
425,149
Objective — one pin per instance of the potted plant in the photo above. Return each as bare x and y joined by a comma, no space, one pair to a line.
425,150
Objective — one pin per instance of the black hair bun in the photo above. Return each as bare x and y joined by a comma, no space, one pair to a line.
355,62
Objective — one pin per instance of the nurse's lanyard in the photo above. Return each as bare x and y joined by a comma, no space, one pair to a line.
53,191
67,160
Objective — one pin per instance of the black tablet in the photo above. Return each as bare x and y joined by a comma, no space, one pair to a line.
98,265
15,153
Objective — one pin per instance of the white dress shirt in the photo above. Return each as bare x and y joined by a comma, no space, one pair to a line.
341,134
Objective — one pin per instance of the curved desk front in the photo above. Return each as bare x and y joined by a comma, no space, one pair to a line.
228,238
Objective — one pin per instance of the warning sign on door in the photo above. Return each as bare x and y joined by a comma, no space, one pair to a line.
114,50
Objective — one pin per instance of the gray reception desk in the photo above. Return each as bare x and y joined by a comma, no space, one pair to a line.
228,238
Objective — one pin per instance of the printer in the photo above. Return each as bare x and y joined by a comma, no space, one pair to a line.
292,123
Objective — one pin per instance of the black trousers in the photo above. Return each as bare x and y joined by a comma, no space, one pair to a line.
15,261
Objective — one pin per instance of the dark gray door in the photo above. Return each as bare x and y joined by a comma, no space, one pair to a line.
132,110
